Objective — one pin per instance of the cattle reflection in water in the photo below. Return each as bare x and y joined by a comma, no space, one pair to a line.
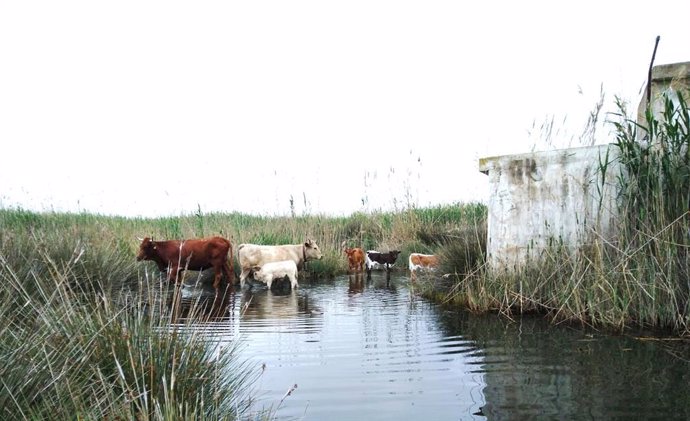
279,305
202,302
356,283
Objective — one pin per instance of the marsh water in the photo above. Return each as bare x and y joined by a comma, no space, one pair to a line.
371,349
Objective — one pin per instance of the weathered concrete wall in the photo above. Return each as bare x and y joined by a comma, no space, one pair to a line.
541,197
667,79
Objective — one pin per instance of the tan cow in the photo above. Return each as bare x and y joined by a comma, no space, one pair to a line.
355,259
252,255
422,261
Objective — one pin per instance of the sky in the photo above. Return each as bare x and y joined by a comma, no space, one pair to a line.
164,108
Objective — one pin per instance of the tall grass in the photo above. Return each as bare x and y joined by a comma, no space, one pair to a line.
72,350
638,278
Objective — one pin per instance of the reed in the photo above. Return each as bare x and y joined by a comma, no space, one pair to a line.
77,344
638,278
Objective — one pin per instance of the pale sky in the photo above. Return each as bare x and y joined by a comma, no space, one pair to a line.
148,108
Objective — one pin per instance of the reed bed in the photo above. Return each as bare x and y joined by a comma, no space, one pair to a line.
640,278
90,333
87,336
77,342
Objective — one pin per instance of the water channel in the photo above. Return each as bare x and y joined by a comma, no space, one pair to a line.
371,349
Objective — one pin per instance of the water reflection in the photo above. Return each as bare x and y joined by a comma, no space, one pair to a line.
356,282
534,370
372,351
368,348
201,302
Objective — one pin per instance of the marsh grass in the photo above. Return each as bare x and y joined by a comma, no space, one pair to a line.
72,350
639,278
89,333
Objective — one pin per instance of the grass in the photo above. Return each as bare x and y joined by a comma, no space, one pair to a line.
77,344
88,333
639,278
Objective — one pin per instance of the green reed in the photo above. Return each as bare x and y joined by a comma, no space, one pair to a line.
76,343
640,277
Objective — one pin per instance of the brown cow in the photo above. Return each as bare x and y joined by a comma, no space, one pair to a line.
422,261
355,259
196,254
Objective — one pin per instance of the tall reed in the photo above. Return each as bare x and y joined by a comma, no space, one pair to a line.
72,350
640,277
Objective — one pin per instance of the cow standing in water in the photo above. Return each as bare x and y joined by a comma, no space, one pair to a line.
386,259
252,255
419,261
355,259
196,254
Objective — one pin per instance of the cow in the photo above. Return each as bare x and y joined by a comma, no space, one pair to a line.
385,259
355,259
193,254
422,261
276,270
252,255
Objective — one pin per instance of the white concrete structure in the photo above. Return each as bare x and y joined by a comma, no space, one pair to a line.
667,79
542,198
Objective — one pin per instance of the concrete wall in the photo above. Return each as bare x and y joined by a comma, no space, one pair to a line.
541,197
666,79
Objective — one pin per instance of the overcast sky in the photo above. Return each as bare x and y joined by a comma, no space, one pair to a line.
147,108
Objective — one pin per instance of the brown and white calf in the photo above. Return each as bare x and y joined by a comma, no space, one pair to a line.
375,258
422,261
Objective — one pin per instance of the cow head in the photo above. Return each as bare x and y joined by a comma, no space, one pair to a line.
394,254
311,251
146,249
349,251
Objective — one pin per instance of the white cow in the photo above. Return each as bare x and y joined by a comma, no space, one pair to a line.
276,270
251,255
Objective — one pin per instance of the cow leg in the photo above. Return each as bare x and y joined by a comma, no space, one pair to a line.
216,278
229,276
293,281
172,275
269,282
243,276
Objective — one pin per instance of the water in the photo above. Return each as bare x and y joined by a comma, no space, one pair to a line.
361,349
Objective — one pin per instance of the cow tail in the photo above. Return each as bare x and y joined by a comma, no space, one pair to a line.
231,271
229,265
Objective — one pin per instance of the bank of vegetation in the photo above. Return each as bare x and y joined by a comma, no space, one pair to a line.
89,333
638,278
84,337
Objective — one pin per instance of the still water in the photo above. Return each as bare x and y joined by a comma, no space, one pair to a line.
360,349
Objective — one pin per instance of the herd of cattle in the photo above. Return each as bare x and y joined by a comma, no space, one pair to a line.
263,263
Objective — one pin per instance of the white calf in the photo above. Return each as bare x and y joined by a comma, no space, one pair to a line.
277,270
